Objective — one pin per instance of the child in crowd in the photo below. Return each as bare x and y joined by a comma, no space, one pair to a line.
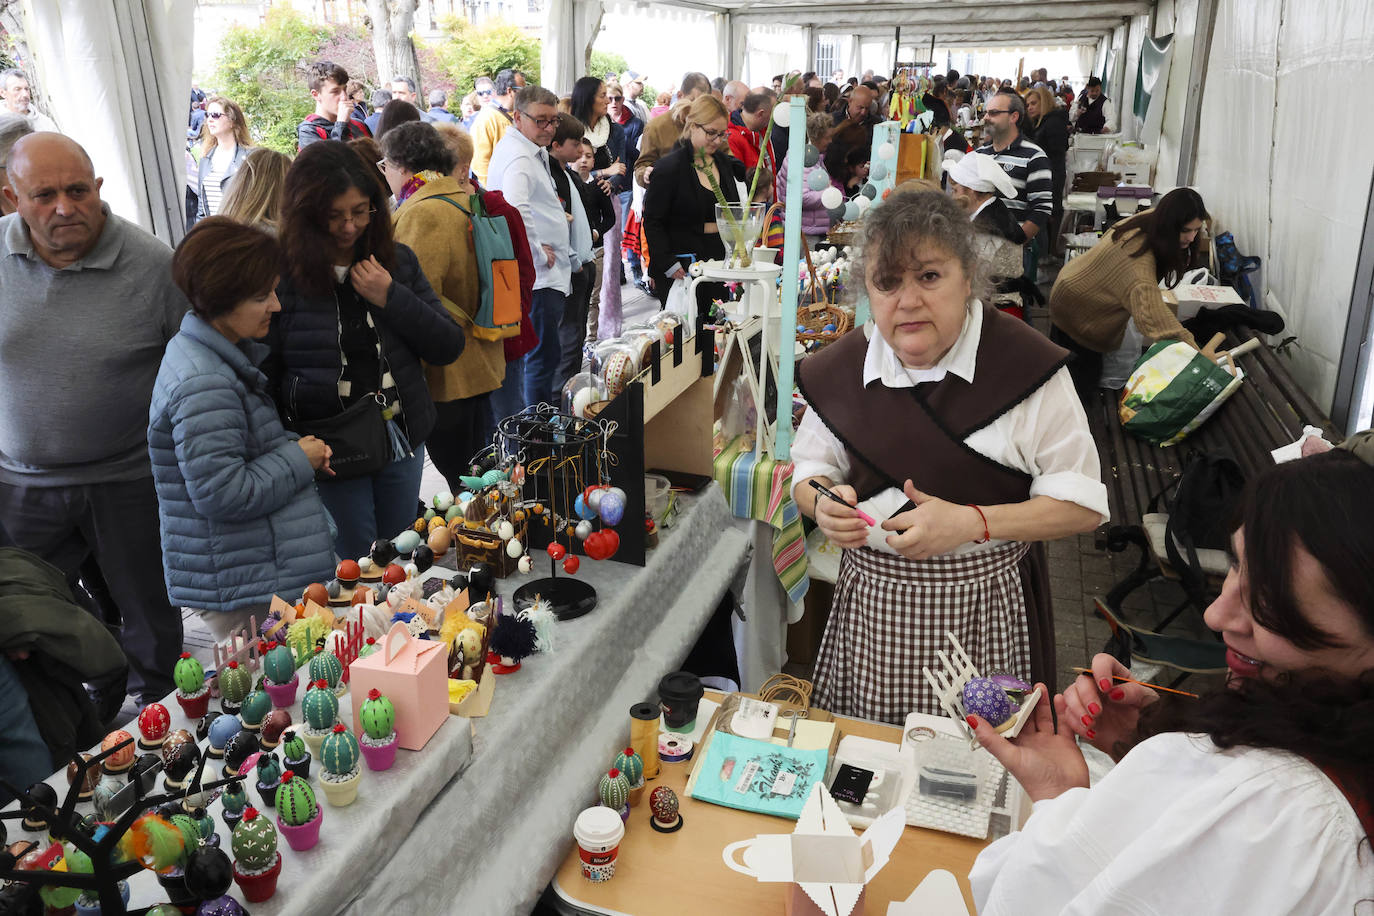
856,172
601,215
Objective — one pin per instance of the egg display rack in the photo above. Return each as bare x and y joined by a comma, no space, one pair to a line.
956,670
558,443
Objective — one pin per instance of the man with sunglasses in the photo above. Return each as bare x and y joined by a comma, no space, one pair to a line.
492,121
1025,163
519,169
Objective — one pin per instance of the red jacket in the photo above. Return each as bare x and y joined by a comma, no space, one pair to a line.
744,146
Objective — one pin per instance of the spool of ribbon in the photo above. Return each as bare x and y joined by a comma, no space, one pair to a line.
644,736
673,747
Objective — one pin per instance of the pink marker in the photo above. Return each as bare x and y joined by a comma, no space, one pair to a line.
868,519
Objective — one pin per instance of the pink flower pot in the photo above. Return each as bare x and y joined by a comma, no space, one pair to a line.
305,836
380,757
257,888
282,695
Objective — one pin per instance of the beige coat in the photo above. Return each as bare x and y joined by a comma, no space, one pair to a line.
441,237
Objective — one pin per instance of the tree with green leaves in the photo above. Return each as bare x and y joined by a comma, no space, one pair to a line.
471,51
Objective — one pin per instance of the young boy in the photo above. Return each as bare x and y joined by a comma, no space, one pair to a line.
596,195
331,121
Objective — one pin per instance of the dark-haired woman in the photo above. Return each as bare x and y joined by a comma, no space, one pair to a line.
241,520
395,113
589,105
964,477
357,320
432,218
1097,293
1254,799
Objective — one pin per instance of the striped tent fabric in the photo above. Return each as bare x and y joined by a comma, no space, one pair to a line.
761,488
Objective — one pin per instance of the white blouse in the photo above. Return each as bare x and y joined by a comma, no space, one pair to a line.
1045,436
1180,827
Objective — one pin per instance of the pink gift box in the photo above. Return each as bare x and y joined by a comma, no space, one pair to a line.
413,674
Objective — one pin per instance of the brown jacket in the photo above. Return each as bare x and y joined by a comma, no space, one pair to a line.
441,237
657,141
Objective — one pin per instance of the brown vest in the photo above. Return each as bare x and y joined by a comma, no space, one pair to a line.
892,434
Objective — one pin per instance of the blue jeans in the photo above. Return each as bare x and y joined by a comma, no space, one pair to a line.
541,364
24,757
378,505
509,399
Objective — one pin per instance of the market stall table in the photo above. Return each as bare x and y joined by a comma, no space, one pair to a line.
683,872
354,840
491,841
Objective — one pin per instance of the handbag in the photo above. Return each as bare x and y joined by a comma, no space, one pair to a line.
357,439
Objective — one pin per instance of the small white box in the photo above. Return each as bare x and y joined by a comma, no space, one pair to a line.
1191,299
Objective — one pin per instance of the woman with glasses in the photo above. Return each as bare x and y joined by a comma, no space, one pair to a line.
680,203
224,143
589,104
358,319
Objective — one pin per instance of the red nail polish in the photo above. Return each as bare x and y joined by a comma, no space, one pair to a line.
1118,694
1091,734
1087,720
1105,683
1094,708
972,721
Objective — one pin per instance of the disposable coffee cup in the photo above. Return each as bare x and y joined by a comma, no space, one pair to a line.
678,695
598,832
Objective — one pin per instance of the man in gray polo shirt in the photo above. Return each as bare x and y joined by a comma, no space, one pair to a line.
88,306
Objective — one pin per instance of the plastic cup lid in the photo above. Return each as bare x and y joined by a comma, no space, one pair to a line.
680,685
598,828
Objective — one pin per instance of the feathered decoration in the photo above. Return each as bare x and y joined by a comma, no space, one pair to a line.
155,842
540,613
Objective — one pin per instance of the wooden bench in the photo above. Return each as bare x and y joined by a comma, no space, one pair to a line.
1269,410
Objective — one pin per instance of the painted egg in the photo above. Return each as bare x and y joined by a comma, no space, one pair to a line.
984,698
180,736
406,542
88,783
393,574
222,729
423,557
333,588
470,644
154,723
277,721
382,552
440,539
411,569
594,498
317,593
505,531
256,706
526,564
443,501
178,764
122,758
617,372
454,511
583,530
239,748
557,551
1010,683
347,573
571,565
514,548
612,506
664,804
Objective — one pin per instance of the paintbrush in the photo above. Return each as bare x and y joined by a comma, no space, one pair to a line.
1131,680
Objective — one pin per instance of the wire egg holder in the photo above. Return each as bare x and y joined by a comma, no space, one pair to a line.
956,670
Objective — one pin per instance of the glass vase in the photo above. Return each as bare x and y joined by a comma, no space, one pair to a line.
739,226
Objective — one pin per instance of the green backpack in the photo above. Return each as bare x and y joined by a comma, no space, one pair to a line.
498,272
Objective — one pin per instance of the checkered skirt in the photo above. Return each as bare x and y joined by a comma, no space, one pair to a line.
890,616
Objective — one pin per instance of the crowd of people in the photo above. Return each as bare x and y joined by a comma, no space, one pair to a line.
261,404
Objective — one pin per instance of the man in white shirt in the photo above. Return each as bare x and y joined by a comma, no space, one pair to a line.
519,169
18,100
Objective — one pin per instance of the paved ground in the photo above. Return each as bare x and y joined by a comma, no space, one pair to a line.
1078,571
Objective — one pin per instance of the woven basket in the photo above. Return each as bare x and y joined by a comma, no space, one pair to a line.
816,315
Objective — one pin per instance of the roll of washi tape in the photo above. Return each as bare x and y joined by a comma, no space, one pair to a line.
644,735
673,747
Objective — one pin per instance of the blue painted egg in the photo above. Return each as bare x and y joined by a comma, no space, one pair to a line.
222,729
829,327
612,508
583,510
406,542
984,698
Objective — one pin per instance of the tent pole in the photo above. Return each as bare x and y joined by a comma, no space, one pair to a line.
896,50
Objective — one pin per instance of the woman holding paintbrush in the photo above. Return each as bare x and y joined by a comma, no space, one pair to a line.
1255,799
955,429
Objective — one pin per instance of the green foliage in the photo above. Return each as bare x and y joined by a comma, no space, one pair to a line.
263,70
471,51
604,62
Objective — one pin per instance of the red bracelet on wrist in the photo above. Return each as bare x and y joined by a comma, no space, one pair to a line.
986,535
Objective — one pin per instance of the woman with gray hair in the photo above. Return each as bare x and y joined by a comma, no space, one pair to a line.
946,494
12,128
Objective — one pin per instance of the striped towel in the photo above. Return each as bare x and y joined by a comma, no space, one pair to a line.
762,489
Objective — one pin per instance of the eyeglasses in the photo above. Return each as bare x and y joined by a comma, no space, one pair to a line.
713,134
541,123
996,111
215,115
615,98
484,92
381,165
359,217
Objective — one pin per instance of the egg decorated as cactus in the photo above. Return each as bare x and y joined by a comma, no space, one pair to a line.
984,698
339,754
614,791
326,667
188,828
298,758
234,683
378,715
632,765
235,800
296,804
188,675
278,663
320,707
269,771
255,708
254,841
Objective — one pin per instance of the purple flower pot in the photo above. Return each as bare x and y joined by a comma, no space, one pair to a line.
283,695
380,758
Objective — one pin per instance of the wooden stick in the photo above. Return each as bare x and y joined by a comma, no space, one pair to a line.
1131,680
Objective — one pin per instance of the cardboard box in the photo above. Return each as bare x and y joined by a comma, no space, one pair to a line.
1192,299
827,866
413,674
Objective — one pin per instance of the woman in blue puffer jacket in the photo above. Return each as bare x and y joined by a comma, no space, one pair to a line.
358,323
240,517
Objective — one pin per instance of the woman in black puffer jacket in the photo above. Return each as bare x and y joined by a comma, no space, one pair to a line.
1047,126
357,320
